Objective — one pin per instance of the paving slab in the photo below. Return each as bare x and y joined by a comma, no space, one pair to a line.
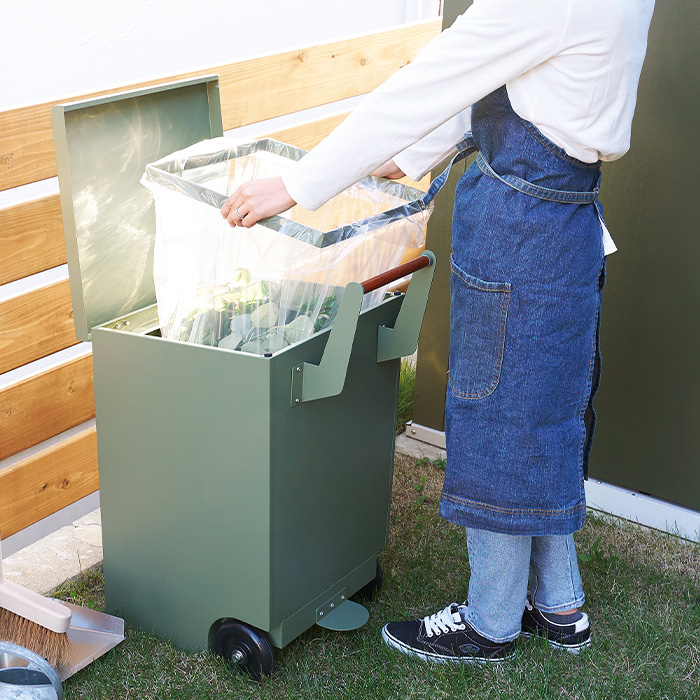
418,449
41,566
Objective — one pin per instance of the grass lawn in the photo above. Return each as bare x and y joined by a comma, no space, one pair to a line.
643,598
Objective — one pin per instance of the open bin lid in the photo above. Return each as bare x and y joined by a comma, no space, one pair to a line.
102,148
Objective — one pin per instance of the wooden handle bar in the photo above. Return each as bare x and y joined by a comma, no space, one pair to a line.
396,273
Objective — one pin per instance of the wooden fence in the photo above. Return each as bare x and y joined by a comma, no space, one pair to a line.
37,323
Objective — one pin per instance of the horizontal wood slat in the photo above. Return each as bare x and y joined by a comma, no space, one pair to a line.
251,90
45,405
31,233
31,238
307,134
35,324
49,480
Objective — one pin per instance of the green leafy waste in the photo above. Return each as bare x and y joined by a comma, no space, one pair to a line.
256,317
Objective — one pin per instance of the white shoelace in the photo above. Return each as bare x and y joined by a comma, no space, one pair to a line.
447,620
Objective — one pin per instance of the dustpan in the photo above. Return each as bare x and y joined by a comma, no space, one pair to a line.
90,633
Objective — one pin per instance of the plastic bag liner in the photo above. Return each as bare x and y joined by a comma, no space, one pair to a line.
260,289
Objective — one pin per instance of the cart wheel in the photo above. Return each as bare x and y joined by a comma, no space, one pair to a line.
245,648
369,590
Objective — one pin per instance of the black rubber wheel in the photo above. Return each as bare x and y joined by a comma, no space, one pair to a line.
246,648
369,590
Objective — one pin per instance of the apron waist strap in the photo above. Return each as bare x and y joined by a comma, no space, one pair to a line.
538,191
464,148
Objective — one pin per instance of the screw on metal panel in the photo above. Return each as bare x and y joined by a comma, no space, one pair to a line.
117,327
342,597
321,614
413,431
332,605
297,401
126,323
298,369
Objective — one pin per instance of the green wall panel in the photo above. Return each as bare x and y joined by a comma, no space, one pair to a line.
648,402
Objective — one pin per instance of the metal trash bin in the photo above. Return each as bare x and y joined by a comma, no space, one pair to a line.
244,497
24,675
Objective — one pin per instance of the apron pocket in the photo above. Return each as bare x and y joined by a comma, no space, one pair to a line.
478,316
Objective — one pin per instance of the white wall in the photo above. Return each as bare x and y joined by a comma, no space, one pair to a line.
54,49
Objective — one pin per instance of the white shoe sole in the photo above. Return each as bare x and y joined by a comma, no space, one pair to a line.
575,649
440,658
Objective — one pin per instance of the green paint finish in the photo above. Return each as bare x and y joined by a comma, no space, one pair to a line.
102,149
184,452
219,499
402,340
311,382
333,458
300,621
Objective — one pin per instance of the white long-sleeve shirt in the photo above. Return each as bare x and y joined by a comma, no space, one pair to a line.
571,67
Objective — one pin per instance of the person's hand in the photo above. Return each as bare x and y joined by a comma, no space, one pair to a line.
256,200
389,170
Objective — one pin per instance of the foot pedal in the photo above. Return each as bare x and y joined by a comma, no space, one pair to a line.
346,616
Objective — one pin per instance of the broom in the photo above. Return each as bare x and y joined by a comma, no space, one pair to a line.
34,622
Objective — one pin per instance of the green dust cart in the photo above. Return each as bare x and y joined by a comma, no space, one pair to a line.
244,497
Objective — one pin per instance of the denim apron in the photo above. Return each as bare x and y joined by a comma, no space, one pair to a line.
526,282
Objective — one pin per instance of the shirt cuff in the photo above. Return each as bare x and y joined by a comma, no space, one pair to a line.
297,193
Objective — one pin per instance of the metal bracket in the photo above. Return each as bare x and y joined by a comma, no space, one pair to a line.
330,605
311,382
402,339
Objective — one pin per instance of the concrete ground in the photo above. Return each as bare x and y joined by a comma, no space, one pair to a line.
42,565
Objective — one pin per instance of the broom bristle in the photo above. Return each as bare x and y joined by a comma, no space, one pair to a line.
53,646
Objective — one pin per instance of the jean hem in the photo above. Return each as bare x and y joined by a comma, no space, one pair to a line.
577,603
495,640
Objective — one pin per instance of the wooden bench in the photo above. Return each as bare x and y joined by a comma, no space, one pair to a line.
37,323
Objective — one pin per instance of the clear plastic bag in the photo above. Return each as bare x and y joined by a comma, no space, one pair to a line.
260,289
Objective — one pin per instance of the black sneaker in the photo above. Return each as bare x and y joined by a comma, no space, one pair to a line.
446,637
569,632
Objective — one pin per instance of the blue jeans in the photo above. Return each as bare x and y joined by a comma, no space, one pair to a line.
501,566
